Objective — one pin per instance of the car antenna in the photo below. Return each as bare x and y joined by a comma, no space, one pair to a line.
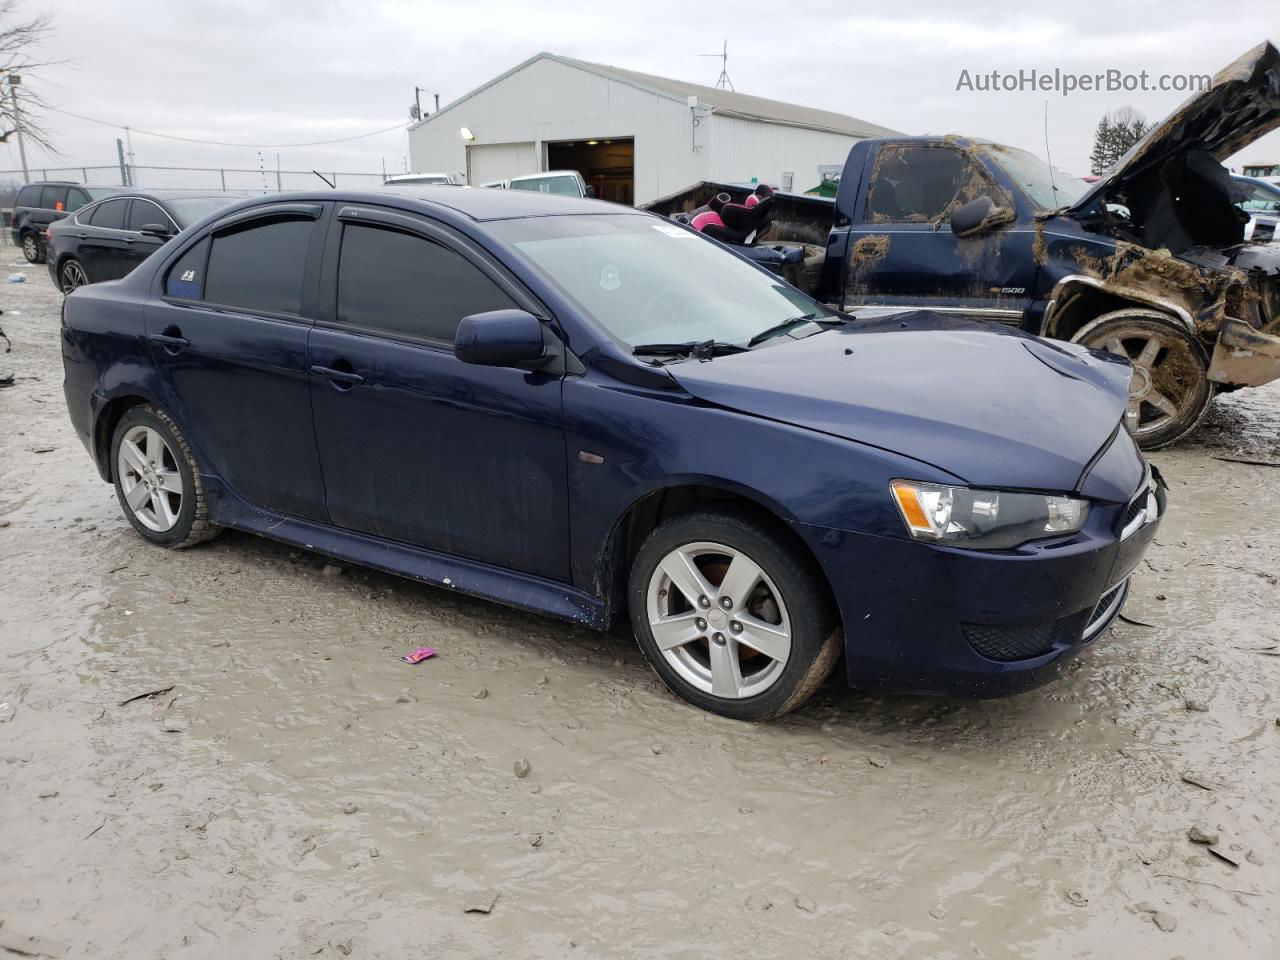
1047,155
330,183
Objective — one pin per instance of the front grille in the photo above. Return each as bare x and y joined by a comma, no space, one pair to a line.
1013,643
1108,609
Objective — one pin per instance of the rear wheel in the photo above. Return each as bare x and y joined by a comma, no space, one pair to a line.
1170,391
31,247
71,275
157,479
732,615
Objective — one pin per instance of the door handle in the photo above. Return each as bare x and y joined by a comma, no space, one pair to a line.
338,376
172,339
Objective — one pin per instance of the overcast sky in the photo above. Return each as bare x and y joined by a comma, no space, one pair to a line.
291,71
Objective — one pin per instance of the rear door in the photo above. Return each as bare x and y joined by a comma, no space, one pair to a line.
902,251
103,240
416,445
229,336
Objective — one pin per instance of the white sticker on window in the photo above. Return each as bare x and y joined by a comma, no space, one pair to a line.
610,277
671,231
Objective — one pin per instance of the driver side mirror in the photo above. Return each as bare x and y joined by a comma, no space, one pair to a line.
502,338
158,230
979,216
591,192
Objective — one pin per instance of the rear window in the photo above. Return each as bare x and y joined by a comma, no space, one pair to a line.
53,198
259,266
110,215
566,186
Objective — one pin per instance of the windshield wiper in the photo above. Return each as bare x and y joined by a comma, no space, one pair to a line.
786,326
697,349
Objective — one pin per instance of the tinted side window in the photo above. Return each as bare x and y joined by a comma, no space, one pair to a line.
27,197
143,212
259,266
186,277
406,286
53,198
110,214
76,199
916,182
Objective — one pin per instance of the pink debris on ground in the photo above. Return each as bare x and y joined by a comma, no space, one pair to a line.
417,656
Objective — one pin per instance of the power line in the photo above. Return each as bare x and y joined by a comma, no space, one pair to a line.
223,143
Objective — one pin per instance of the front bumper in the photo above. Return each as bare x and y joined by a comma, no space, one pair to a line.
1244,356
921,618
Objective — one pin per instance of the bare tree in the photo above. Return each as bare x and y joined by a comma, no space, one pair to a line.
20,39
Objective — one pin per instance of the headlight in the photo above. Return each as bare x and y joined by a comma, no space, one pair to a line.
984,519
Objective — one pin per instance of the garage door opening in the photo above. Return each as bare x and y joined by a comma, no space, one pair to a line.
606,164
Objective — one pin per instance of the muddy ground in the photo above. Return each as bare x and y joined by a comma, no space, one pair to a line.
299,791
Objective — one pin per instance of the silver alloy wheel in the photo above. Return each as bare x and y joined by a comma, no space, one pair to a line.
1160,389
718,620
150,479
30,247
73,276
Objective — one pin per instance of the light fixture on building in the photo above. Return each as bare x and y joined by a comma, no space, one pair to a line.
592,143
466,133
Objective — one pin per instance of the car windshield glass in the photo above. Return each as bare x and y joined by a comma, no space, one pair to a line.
1046,187
646,280
567,186
190,209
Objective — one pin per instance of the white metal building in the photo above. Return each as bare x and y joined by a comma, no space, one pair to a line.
633,136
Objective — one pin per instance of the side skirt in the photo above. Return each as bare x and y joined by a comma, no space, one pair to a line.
514,589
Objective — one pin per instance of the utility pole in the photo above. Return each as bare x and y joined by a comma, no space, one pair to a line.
14,80
124,171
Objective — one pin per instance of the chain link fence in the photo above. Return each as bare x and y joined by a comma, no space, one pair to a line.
238,179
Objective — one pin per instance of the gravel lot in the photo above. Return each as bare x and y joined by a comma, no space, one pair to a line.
298,791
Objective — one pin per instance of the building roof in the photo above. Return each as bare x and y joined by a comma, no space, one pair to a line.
725,102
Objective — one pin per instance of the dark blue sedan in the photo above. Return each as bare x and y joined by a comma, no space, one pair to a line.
591,412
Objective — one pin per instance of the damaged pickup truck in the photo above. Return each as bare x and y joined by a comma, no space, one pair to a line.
1149,262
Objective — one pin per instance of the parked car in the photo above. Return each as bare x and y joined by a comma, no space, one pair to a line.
1259,199
496,184
1148,262
423,179
38,205
566,183
590,412
107,239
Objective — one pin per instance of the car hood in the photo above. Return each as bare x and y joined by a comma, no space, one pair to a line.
1241,105
988,404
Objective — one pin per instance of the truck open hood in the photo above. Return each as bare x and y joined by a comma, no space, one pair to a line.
988,404
1241,105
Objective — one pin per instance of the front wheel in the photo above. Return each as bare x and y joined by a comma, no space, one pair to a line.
71,276
733,615
1170,391
31,248
157,479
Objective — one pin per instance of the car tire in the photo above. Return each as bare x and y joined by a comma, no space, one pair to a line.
32,248
701,647
1170,392
71,276
157,480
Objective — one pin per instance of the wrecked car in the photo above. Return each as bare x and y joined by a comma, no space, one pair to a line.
1149,262
594,413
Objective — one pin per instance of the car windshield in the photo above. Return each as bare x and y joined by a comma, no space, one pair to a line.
1047,187
568,186
188,210
646,280
1259,197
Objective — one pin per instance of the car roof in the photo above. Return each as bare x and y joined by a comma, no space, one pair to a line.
481,204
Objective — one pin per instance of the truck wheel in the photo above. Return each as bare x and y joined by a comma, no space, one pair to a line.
732,615
1170,391
157,479
32,249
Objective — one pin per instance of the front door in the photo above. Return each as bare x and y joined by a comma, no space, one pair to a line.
902,251
416,445
229,337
